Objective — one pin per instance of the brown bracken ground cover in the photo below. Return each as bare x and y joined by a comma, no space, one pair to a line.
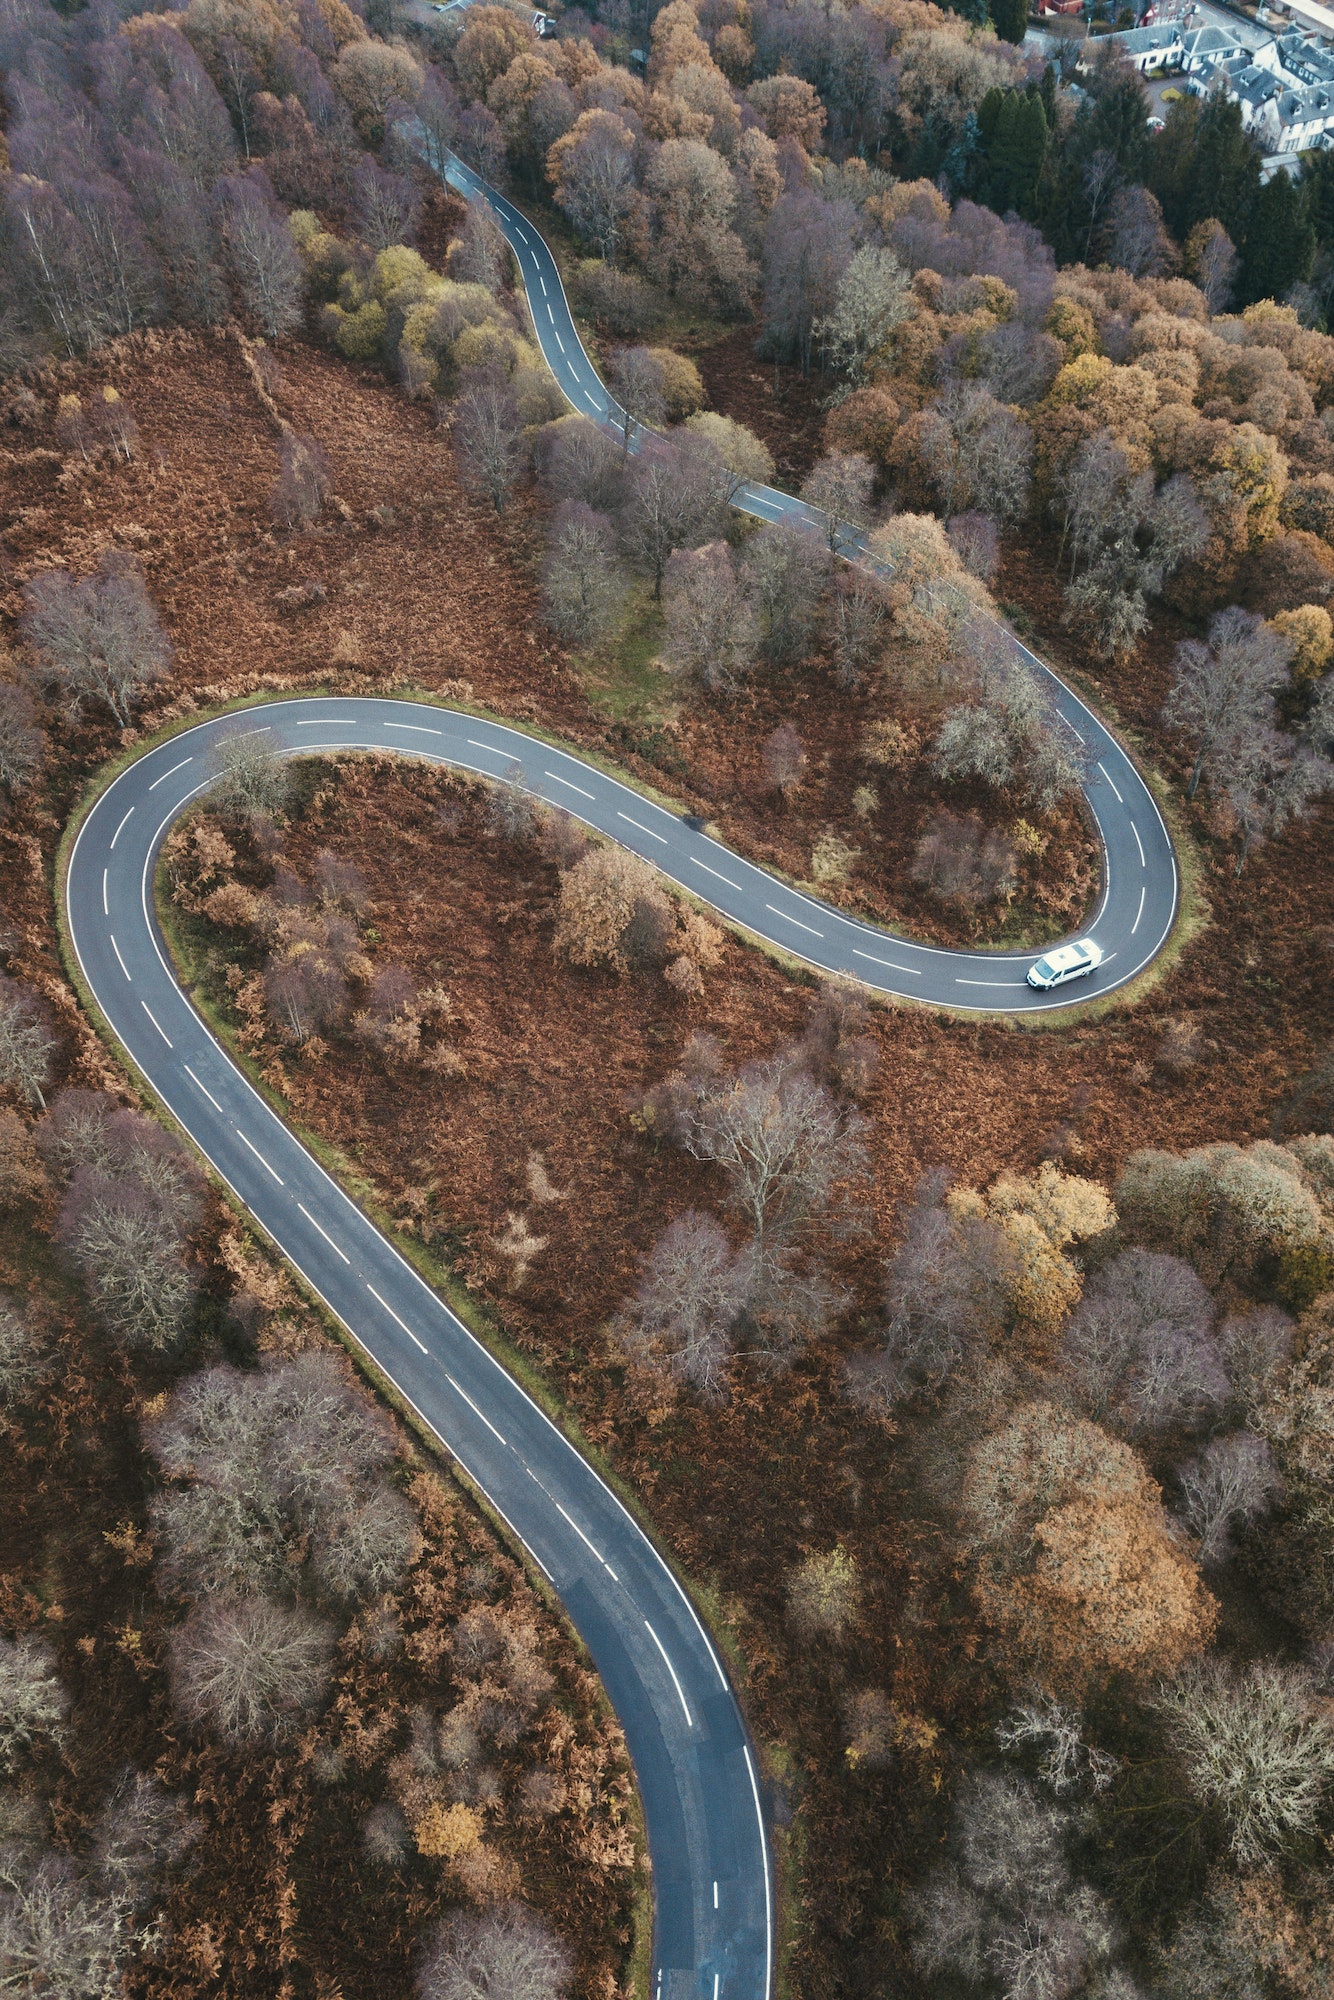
426,588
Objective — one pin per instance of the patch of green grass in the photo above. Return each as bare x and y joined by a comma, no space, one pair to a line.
620,677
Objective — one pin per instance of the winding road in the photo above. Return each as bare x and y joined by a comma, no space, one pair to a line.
695,1766
1138,903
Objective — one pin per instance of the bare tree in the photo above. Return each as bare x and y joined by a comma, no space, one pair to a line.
785,759
26,1042
261,256
505,1953
710,621
858,624
1270,781
583,584
386,207
783,1144
686,1312
1256,1747
142,1831
788,568
303,483
976,541
98,639
675,502
1066,1763
487,431
840,486
253,781
947,1292
1137,238
1212,261
960,858
1139,1352
248,1670
129,1260
1232,1483
57,1936
1007,1911
1223,688
22,742
638,380
283,1465
481,255
24,1358
511,812
33,1704
132,1197
978,453
579,461
874,296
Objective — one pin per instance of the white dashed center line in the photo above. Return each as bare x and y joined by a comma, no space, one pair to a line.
259,1156
154,1019
1139,912
201,1086
121,828
643,829
716,876
793,920
912,971
116,948
556,779
473,1407
324,1233
394,1316
171,773
690,1720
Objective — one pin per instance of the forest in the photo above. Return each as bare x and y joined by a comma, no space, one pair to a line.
976,1377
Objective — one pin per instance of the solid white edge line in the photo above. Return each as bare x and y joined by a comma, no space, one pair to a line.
324,1233
690,1720
171,773
204,1087
768,1886
473,1407
156,1023
116,948
394,1316
260,1157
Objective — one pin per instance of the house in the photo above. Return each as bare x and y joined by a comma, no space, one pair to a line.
1296,121
1145,49
1209,45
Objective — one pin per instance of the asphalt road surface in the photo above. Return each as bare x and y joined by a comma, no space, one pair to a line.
1138,904
695,1766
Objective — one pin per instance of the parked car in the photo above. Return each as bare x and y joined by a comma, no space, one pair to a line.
1067,962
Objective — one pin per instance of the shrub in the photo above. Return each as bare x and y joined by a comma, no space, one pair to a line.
605,896
1076,1562
824,1596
